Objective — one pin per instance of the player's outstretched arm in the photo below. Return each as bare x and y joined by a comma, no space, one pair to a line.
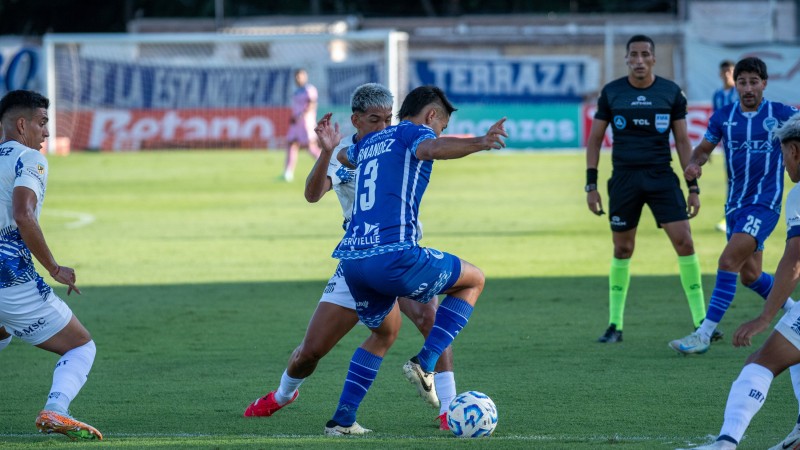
787,276
453,147
24,209
317,182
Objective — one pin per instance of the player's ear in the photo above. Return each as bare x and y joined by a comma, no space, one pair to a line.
354,120
20,123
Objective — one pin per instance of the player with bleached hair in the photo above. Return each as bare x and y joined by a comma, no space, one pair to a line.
781,350
29,309
335,315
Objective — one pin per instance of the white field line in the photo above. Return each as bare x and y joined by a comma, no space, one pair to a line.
676,440
80,219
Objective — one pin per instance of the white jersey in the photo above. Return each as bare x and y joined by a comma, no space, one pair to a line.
19,166
342,180
793,212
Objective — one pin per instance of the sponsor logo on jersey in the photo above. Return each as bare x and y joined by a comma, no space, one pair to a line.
370,236
662,122
619,122
641,101
729,124
641,122
31,329
752,146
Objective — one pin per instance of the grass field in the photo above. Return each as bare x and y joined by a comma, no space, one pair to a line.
200,271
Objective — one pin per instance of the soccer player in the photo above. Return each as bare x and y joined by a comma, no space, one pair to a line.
301,124
335,315
755,189
29,309
380,254
727,94
782,348
643,108
724,96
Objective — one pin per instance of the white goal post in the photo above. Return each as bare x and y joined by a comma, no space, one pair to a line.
117,92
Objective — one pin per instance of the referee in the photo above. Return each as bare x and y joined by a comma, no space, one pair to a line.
642,109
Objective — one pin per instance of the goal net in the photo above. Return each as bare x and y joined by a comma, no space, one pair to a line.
123,92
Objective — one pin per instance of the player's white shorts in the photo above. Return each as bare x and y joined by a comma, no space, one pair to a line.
337,292
789,326
27,316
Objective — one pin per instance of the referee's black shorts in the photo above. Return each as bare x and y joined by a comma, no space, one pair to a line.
630,189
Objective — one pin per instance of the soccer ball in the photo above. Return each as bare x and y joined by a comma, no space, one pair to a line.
472,414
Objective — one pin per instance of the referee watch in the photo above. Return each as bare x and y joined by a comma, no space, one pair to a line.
694,190
590,187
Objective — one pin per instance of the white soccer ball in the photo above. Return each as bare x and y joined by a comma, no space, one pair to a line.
472,414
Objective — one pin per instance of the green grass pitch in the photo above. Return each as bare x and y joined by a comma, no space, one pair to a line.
200,270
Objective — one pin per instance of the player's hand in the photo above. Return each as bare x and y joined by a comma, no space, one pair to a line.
692,204
693,171
494,138
328,135
595,202
743,335
65,275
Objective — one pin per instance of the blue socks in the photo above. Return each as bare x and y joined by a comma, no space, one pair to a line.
763,285
722,296
451,316
363,370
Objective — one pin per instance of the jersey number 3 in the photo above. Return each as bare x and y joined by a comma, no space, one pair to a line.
367,199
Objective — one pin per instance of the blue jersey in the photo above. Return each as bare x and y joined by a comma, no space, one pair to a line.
754,161
390,182
723,98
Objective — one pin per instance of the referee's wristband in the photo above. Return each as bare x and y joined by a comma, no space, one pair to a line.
591,176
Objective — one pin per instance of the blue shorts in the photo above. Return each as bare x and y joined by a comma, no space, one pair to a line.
756,220
417,273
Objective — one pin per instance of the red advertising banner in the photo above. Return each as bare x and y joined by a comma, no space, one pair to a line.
118,129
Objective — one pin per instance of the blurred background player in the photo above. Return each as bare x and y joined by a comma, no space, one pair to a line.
336,314
755,190
643,108
782,347
29,309
380,254
724,96
301,124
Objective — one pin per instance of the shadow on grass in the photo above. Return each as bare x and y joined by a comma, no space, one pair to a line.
183,361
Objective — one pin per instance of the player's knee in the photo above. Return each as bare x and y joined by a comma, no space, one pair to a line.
730,264
309,353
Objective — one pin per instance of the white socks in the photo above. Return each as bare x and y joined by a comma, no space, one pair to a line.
69,376
445,388
4,342
747,395
707,329
285,391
